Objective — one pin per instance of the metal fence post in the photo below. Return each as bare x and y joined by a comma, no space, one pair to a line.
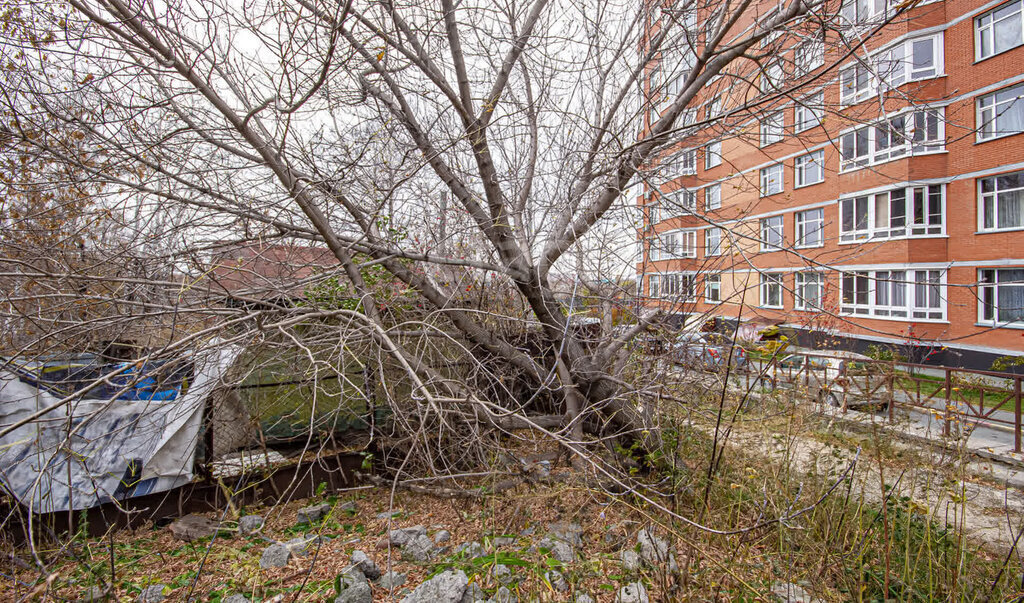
947,412
1016,414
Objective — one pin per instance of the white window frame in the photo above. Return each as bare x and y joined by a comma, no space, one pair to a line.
684,202
712,197
923,290
713,288
773,233
810,228
713,155
992,197
769,281
773,128
772,175
855,84
677,244
989,283
896,213
863,11
654,286
990,110
809,169
809,55
809,112
772,77
918,131
988,21
714,107
805,280
713,241
679,286
897,64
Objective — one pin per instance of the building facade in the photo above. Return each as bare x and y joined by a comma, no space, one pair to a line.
863,183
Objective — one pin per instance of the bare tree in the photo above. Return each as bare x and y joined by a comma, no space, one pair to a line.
455,159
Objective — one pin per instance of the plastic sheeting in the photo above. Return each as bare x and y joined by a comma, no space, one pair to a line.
92,451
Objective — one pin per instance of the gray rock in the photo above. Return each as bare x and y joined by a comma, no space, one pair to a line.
471,550
528,531
193,527
95,593
503,574
391,580
236,598
250,524
388,514
473,594
583,598
349,506
504,595
559,549
630,560
787,592
653,550
152,594
557,581
300,547
404,536
358,593
420,549
350,577
632,593
365,565
442,536
501,541
446,587
568,532
313,513
275,555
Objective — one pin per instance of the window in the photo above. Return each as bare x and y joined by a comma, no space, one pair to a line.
1002,201
773,128
712,197
683,163
771,77
654,286
679,286
810,228
999,30
771,180
714,107
908,61
678,244
771,233
684,202
857,12
713,288
891,293
653,207
713,155
916,294
1001,295
771,290
920,132
1001,113
927,302
854,84
810,168
712,242
810,112
901,212
809,56
810,290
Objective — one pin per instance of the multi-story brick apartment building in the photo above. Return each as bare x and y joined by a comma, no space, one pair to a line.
876,193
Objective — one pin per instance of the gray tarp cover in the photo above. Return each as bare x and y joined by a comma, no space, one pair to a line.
107,437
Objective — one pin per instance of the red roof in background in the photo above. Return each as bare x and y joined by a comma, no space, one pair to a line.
266,271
